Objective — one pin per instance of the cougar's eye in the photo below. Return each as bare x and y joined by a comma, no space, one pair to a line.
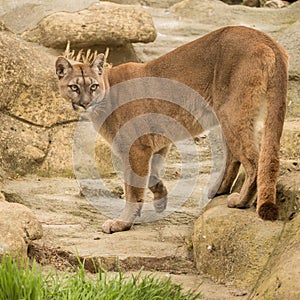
94,87
74,88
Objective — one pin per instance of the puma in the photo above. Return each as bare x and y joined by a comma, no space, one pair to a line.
239,71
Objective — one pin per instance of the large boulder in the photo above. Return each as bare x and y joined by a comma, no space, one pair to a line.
31,109
290,39
102,23
27,16
280,280
215,13
22,15
18,227
235,247
37,125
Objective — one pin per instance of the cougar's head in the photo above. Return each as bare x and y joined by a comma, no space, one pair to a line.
81,82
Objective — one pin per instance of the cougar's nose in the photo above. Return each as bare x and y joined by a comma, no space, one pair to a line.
84,105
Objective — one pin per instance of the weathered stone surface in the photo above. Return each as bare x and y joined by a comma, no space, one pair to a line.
22,15
232,246
102,23
59,157
290,39
273,3
30,105
18,227
265,3
22,146
251,3
215,14
151,3
281,279
28,84
2,198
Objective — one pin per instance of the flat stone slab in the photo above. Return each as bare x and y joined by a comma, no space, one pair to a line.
71,222
72,227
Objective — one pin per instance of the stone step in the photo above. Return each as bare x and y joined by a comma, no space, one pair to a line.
73,224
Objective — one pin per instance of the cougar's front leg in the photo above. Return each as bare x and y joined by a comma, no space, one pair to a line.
155,183
136,171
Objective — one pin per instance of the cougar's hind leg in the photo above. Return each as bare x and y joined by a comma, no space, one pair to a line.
231,171
155,184
136,172
239,130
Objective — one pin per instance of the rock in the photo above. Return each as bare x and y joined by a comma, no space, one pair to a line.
22,146
37,125
280,279
151,3
2,26
2,198
28,84
208,12
18,227
22,15
272,3
102,23
252,3
233,246
236,248
290,39
59,155
232,2
30,105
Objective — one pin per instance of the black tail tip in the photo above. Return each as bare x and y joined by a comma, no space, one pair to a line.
268,211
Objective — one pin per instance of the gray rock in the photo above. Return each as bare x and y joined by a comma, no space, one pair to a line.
23,15
214,13
37,125
272,3
30,105
290,39
281,277
191,19
18,227
102,23
22,147
151,3
28,84
233,246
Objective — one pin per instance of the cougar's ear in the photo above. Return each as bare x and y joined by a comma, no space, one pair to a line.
63,67
97,64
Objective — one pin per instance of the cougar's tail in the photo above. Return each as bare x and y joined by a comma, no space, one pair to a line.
268,167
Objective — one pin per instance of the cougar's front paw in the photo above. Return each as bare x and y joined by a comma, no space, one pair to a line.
111,226
161,204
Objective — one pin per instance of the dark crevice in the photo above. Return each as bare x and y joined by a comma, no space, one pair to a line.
66,122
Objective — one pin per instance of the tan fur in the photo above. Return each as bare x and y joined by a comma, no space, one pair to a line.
238,71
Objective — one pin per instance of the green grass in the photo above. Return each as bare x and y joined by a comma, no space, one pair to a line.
21,281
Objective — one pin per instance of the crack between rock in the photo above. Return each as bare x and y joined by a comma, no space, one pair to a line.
39,125
267,264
